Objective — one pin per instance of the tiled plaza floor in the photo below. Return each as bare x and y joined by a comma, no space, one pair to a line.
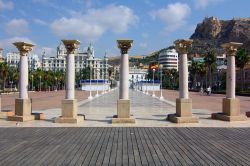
148,112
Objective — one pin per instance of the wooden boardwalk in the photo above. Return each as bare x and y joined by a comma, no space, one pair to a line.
124,146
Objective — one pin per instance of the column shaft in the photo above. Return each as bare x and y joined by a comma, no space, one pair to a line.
230,77
23,77
70,75
183,76
124,73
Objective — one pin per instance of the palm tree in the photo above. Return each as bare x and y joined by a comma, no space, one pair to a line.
194,69
242,58
210,61
4,71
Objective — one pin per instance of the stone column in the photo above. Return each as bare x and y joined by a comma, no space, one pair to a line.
230,104
123,104
69,104
23,103
183,103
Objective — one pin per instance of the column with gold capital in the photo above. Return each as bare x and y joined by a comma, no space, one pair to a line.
230,104
183,103
23,103
123,103
69,104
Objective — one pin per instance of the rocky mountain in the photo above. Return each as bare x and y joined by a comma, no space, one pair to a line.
212,32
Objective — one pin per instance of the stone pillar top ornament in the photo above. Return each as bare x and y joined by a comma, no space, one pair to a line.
182,45
23,48
71,45
124,45
231,48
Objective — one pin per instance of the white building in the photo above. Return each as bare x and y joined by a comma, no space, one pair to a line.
13,59
83,59
168,58
136,75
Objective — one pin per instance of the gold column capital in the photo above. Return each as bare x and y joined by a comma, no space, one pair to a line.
124,45
182,46
231,48
23,48
71,45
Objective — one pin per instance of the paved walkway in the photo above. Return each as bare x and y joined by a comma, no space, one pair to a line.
148,112
124,146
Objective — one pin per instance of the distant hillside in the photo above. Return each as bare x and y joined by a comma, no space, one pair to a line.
212,32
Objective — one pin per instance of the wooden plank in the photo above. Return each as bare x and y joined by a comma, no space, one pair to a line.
118,160
151,148
124,147
103,147
146,148
88,155
112,159
135,147
140,147
109,148
88,147
98,148
131,158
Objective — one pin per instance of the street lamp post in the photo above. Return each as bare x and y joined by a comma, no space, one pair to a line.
161,67
97,86
90,77
153,95
103,79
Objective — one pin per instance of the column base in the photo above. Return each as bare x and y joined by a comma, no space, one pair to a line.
177,119
183,107
21,118
69,112
230,111
224,117
123,108
77,119
183,112
231,106
123,120
22,111
123,112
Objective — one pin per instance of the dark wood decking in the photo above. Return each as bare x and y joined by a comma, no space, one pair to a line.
124,146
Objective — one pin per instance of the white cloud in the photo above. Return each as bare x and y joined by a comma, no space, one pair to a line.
95,22
202,4
7,44
6,5
39,21
17,27
173,15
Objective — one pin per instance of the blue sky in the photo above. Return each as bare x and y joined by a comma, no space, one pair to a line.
152,24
